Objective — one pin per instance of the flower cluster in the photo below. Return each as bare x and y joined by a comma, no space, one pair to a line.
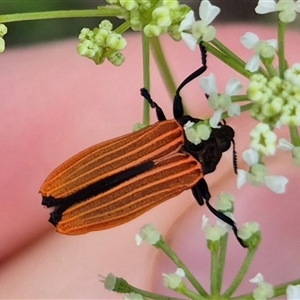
276,101
3,31
153,17
101,43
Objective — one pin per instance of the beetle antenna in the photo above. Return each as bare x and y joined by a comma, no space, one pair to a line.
196,73
159,112
235,165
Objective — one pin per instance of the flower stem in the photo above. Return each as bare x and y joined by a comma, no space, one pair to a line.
214,274
294,136
123,27
280,290
146,77
228,52
150,295
227,60
239,277
270,68
221,261
105,11
281,58
168,251
239,98
163,65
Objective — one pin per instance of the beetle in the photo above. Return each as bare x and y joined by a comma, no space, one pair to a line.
115,181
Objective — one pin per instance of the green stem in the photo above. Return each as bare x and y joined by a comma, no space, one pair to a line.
280,290
281,57
163,246
270,68
123,27
146,77
150,295
294,135
214,274
221,261
100,12
228,61
239,98
164,68
239,277
228,53
163,65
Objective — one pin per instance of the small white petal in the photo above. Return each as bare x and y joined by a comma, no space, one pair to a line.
297,6
283,144
234,110
187,22
276,183
208,12
209,84
265,6
257,279
241,178
204,222
250,156
253,63
215,119
293,292
190,41
249,40
180,272
133,296
138,239
233,87
272,43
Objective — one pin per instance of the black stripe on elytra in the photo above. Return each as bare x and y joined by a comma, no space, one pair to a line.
92,190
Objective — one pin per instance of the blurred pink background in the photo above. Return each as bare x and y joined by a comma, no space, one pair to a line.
54,104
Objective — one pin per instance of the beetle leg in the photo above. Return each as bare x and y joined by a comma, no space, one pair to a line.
200,192
159,112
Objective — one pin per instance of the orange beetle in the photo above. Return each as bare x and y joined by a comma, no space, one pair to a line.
115,181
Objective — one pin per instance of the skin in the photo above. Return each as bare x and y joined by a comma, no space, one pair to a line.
56,104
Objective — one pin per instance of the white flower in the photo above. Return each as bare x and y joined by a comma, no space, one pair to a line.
263,290
283,144
173,280
149,234
225,202
263,139
286,9
109,282
247,230
265,49
200,30
219,102
196,132
293,292
258,174
214,232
